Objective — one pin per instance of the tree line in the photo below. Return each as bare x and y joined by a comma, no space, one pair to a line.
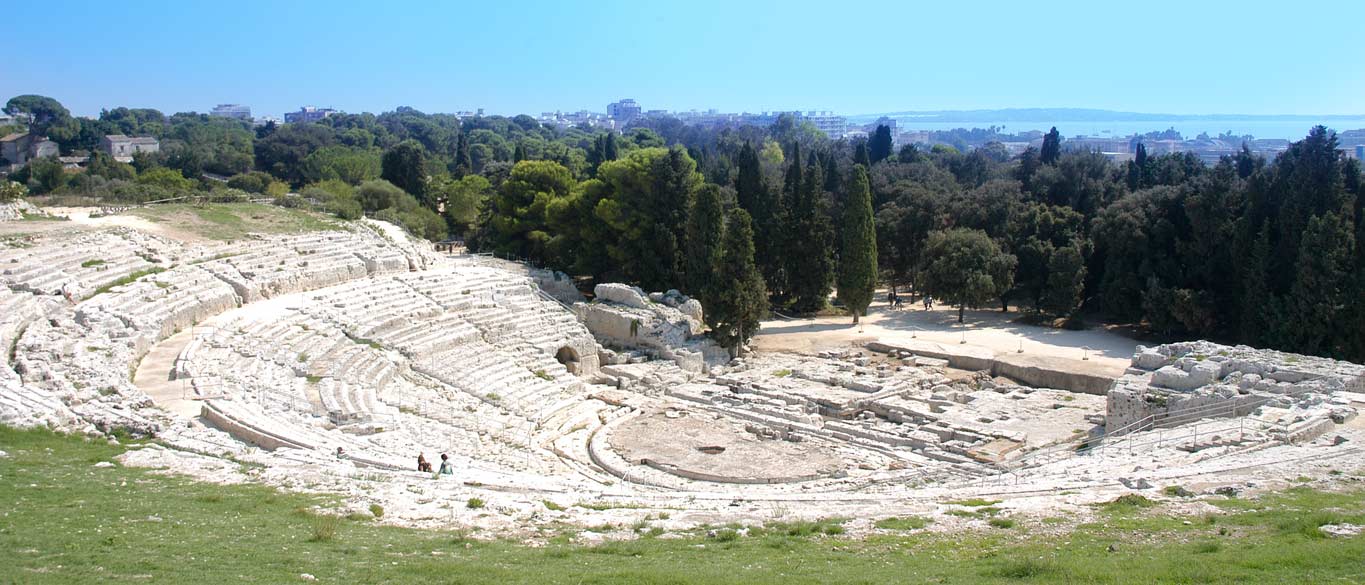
1267,253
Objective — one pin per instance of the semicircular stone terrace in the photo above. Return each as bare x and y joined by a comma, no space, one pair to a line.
333,359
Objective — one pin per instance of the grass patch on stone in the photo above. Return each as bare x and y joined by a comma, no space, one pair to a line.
973,502
126,280
91,263
67,521
903,523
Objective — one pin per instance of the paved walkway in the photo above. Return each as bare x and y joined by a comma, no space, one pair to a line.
154,376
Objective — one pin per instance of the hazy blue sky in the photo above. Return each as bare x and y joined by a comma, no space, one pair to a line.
1188,57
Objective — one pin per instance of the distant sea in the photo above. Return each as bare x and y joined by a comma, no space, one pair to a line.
1287,129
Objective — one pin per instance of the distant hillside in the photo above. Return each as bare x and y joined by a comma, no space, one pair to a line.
1079,115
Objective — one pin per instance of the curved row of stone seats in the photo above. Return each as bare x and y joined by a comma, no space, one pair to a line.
352,403
77,267
17,310
276,430
458,289
496,377
364,307
158,305
277,265
419,337
25,406
509,312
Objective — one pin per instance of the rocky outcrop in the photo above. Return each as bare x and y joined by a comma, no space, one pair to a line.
1180,382
17,209
625,317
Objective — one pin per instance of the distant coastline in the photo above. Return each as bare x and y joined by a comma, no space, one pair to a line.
1091,122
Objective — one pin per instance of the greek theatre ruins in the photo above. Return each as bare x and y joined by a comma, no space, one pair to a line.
328,361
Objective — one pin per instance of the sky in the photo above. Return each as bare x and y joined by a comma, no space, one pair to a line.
1179,57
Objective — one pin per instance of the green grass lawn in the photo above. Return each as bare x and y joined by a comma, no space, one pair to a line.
64,520
230,221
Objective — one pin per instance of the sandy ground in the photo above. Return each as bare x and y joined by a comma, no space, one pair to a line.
80,220
986,329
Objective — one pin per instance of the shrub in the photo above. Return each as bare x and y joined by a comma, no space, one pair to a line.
377,510
726,535
1024,569
252,182
324,528
1001,522
1129,502
1177,491
552,506
474,503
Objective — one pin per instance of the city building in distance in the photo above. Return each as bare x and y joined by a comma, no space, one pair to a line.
308,114
234,111
623,111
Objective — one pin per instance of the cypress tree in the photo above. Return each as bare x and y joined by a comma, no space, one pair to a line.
1321,285
1260,309
1052,147
781,240
860,156
705,225
405,166
738,299
464,164
609,151
749,187
519,154
858,249
810,272
596,154
1065,281
879,147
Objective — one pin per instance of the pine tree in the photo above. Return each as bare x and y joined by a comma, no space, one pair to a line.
705,224
738,301
1052,147
880,145
858,249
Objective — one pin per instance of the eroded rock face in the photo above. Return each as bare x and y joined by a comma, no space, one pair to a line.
16,210
625,317
1180,382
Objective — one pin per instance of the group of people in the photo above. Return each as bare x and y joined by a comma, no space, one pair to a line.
422,464
894,301
425,466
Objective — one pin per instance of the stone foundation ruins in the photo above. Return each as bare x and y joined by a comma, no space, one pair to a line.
282,350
